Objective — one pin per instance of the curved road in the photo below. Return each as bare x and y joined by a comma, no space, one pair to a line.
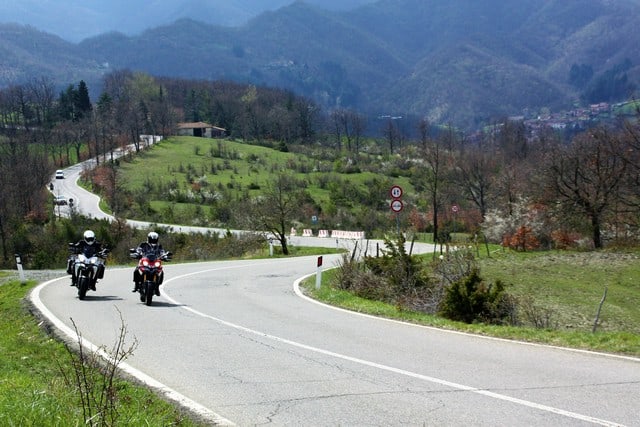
237,342
235,337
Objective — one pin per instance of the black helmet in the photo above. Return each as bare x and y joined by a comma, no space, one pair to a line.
89,237
152,238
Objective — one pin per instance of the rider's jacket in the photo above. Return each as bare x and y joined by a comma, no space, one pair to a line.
148,248
82,247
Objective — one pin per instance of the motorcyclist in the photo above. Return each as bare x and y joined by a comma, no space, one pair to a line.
90,247
151,246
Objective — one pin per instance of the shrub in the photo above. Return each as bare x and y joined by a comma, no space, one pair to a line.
471,300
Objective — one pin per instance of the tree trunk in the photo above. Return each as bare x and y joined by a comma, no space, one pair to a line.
597,235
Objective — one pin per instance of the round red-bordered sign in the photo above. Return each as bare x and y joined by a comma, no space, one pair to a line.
396,192
396,205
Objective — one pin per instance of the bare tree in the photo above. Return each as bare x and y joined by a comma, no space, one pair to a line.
586,177
277,208
435,158
476,169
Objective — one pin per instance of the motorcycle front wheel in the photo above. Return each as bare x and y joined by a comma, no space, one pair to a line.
149,290
83,286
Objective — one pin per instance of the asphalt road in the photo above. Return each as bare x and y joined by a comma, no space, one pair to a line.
238,343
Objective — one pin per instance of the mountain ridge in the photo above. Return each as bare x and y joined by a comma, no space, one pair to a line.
467,64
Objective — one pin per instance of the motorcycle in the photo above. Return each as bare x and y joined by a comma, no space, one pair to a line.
88,267
151,273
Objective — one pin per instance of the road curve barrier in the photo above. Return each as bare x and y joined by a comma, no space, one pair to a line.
341,234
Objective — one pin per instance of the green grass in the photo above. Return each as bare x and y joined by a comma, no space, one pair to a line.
33,391
569,285
241,169
572,284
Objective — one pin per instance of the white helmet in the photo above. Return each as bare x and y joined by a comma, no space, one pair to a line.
152,238
89,237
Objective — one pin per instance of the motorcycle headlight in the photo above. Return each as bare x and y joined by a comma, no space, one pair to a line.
145,263
157,264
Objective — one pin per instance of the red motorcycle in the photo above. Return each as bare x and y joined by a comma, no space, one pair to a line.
151,274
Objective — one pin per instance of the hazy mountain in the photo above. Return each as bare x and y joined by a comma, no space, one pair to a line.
465,62
75,20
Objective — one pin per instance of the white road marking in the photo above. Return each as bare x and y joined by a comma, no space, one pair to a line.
207,413
168,392
463,387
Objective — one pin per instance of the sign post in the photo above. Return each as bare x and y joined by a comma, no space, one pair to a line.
455,209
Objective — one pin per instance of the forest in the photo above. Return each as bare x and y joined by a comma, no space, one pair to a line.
525,191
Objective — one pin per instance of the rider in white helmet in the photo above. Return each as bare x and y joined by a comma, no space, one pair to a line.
88,244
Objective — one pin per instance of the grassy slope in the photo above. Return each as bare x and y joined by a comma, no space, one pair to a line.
243,167
567,287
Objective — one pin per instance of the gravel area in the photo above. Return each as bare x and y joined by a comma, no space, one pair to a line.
37,275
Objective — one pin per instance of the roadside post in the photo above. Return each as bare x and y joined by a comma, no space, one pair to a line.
319,273
20,270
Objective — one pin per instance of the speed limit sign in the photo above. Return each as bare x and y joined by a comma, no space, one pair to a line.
396,192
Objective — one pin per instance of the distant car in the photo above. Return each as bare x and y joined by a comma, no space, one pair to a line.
59,174
59,200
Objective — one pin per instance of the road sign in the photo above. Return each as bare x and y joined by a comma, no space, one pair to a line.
396,205
396,192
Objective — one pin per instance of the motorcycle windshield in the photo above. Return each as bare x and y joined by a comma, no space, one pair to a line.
90,251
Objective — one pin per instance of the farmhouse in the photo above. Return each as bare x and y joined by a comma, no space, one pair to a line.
201,129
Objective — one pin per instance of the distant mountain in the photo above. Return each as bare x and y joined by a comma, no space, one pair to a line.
74,20
465,62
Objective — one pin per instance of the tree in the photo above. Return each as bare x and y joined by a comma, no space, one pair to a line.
586,177
435,158
276,209
476,169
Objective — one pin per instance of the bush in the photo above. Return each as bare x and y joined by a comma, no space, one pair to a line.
471,300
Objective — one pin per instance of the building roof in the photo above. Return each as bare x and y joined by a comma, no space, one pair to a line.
198,125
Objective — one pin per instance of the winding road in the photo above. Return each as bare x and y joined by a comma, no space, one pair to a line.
237,342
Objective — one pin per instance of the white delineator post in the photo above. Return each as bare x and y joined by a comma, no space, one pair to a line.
319,273
19,263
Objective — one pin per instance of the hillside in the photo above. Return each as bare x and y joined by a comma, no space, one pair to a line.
75,20
467,62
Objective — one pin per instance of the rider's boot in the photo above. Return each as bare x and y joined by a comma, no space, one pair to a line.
136,287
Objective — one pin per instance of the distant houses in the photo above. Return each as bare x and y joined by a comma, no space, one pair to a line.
200,129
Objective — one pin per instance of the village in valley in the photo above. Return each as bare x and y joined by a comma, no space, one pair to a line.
578,119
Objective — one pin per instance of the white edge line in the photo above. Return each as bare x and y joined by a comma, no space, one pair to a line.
205,412
166,391
296,289
399,371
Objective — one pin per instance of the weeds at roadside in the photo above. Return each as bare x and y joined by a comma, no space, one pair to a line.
91,376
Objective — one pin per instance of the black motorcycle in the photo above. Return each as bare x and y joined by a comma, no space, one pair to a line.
88,268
